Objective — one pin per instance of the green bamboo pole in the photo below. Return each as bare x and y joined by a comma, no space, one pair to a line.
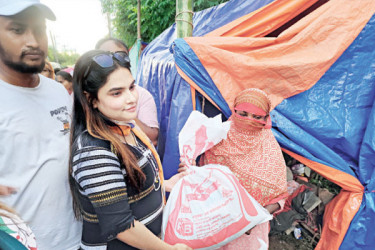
184,18
139,19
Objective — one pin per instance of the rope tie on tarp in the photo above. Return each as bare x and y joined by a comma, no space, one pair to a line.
181,12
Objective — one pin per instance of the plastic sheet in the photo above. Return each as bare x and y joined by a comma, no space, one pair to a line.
172,94
331,125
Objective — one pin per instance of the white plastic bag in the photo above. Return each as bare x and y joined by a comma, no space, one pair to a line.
199,134
207,208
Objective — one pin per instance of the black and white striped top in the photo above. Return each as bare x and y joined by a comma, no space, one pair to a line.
110,205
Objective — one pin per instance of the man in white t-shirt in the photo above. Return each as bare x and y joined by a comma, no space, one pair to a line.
34,128
147,118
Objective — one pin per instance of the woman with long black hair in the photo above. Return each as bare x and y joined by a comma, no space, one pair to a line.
116,176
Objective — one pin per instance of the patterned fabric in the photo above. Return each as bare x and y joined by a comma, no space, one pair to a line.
98,173
109,203
16,227
257,239
252,153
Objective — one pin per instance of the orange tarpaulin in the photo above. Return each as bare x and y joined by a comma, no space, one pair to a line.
290,63
340,211
338,215
264,20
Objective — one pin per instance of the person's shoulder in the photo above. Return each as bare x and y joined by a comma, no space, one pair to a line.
142,91
145,97
54,89
52,84
86,140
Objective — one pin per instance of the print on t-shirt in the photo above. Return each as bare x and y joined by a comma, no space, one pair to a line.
62,115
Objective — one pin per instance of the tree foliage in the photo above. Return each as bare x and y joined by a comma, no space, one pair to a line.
156,16
66,58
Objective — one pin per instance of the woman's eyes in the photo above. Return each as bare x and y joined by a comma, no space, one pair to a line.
117,93
18,30
246,114
242,113
258,117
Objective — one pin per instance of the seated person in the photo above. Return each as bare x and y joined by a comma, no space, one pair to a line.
147,118
254,156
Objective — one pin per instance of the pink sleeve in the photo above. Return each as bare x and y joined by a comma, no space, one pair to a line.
146,108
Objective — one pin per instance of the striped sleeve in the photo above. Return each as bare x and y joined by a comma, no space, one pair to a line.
98,173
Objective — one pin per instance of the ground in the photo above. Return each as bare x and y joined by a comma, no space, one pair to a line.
288,242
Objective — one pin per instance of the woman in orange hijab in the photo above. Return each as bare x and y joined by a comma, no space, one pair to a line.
254,156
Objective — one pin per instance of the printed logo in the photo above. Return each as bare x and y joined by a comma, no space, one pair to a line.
185,227
62,115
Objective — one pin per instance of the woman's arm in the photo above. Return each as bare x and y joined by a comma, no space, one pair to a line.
182,171
169,184
276,207
272,207
97,170
140,237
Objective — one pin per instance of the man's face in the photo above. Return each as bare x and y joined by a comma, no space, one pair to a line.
23,41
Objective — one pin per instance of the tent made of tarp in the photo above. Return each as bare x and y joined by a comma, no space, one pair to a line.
315,59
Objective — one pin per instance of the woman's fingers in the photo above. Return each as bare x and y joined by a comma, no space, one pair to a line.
6,190
190,161
182,169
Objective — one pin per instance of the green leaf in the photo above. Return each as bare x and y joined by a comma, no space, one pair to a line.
156,16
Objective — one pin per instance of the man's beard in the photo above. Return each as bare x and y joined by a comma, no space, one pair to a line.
23,67
20,66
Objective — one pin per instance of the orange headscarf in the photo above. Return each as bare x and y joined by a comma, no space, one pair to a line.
252,152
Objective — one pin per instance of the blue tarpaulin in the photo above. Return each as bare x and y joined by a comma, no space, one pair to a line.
331,123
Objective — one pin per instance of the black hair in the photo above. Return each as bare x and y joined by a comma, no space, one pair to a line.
89,84
118,42
65,75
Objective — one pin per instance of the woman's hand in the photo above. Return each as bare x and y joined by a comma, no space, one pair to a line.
180,246
191,162
182,167
182,171
140,237
169,184
5,190
272,207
